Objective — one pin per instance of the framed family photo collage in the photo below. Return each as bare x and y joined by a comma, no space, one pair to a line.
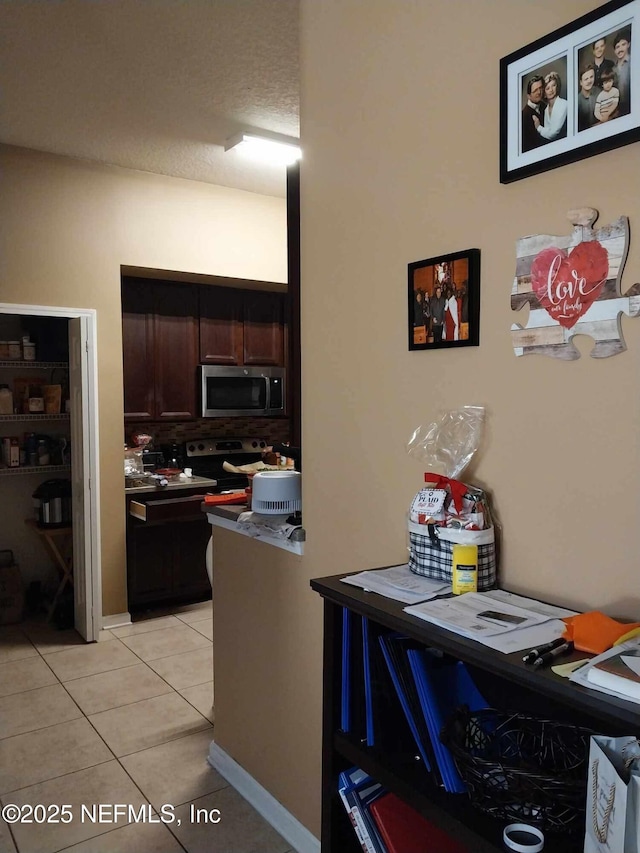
571,94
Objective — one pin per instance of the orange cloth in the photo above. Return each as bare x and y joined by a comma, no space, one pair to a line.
594,632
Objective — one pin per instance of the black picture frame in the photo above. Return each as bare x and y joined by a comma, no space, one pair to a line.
458,275
562,58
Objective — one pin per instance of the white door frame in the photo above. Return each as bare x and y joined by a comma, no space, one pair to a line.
93,570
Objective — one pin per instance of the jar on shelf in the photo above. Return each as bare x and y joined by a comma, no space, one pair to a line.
4,350
28,351
15,351
43,451
6,400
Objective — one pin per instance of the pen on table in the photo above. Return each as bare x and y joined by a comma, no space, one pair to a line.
547,647
547,657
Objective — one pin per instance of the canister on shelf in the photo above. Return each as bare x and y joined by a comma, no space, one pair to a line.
28,351
465,569
6,400
4,350
15,351
11,451
52,395
43,451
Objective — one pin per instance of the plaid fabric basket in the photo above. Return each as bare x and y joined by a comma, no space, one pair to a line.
431,552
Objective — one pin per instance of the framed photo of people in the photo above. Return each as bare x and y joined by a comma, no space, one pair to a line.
444,301
571,94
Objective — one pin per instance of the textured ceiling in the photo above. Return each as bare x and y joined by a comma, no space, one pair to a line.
156,85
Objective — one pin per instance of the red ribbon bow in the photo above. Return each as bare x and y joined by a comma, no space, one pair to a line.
457,489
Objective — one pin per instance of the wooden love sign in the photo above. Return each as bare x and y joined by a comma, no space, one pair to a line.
572,285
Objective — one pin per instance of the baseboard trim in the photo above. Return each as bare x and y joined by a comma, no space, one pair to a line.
297,835
117,620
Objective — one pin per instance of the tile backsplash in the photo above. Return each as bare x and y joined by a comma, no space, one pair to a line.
270,429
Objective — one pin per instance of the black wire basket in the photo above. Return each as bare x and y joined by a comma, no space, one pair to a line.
521,768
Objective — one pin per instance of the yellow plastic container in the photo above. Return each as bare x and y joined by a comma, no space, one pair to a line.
465,569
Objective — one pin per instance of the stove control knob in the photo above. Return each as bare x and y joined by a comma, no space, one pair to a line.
201,447
254,444
263,444
191,448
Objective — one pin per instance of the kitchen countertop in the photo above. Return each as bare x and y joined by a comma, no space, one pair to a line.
187,483
226,515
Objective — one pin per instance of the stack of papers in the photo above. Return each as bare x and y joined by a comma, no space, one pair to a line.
476,615
399,583
258,525
501,620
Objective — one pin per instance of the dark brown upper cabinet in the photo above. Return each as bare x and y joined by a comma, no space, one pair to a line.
221,331
160,350
137,350
242,327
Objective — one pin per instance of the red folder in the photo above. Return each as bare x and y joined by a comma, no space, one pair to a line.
233,498
403,830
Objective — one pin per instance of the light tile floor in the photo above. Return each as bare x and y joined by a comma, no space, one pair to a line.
124,721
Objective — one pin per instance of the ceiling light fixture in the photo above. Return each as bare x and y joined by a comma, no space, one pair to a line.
270,148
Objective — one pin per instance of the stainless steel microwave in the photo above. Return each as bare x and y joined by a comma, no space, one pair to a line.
249,391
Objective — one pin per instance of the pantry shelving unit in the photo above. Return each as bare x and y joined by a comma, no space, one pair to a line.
40,365
34,417
34,469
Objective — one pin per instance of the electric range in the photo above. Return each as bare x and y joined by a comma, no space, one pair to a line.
205,457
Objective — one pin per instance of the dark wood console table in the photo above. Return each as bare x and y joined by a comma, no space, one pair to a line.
502,678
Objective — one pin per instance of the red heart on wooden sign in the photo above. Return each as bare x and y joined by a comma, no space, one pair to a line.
567,285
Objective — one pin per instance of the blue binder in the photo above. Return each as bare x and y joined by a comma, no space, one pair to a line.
387,727
442,687
345,707
352,705
358,790
368,690
408,700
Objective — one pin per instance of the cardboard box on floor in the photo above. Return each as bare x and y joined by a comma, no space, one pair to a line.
11,591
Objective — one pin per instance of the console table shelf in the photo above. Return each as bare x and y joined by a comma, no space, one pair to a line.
504,680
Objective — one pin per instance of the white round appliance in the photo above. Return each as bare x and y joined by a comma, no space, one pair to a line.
276,492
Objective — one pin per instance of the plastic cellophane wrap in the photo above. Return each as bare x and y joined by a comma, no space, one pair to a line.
446,510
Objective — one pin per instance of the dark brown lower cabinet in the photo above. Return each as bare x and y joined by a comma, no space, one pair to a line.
166,560
504,681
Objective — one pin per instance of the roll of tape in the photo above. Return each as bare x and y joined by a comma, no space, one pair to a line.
523,838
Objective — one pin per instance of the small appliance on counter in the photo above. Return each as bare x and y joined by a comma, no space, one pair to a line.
277,492
152,459
174,457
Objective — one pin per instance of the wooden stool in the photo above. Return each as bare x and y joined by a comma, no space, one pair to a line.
58,543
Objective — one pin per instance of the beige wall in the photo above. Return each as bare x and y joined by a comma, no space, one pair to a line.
263,672
68,226
400,132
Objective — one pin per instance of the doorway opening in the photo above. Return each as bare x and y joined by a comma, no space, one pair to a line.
50,416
